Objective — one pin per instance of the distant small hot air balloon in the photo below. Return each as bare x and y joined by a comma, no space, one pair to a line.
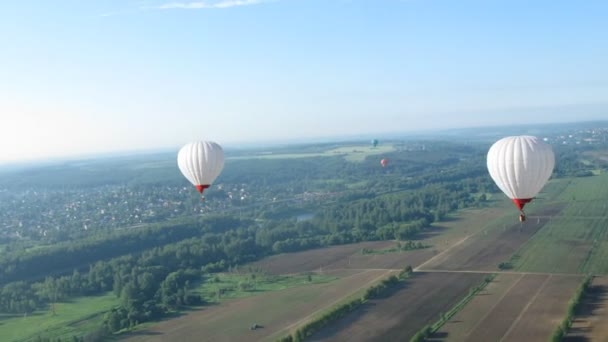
374,142
520,166
384,162
201,162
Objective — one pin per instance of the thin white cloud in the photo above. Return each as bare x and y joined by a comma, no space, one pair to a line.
209,4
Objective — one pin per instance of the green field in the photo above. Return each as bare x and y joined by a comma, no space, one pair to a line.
575,239
76,317
233,285
355,153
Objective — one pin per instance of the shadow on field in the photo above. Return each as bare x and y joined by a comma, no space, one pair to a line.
592,301
438,336
431,231
142,333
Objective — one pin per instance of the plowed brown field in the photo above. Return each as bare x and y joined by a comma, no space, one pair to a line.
400,316
514,307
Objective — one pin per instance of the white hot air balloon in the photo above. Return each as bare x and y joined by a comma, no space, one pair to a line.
520,166
201,162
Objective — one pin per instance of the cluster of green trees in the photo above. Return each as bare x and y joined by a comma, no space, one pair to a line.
381,289
406,246
423,334
67,256
411,245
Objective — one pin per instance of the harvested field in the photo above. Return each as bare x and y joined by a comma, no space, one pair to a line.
344,256
397,318
513,307
497,323
277,312
485,250
545,311
464,223
465,321
591,320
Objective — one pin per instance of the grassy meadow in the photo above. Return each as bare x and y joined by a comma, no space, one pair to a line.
222,286
75,317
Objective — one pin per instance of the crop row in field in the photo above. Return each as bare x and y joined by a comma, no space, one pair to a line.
575,239
514,307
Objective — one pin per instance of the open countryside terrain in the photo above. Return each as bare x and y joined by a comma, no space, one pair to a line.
357,271
473,241
515,306
569,243
509,309
543,258
277,312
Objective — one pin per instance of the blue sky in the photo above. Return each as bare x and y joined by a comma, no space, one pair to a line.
83,77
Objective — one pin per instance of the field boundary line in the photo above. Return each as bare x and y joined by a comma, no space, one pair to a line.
311,315
494,306
526,308
504,272
365,269
418,268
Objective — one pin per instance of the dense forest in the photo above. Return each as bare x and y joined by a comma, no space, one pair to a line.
133,226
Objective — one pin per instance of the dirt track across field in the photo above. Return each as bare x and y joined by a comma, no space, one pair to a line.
506,311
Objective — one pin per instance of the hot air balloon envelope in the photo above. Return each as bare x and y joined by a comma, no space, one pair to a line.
201,163
520,166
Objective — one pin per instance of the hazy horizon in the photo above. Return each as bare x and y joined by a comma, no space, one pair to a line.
244,145
95,78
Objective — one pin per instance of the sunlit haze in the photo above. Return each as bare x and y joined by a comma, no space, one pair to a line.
83,77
